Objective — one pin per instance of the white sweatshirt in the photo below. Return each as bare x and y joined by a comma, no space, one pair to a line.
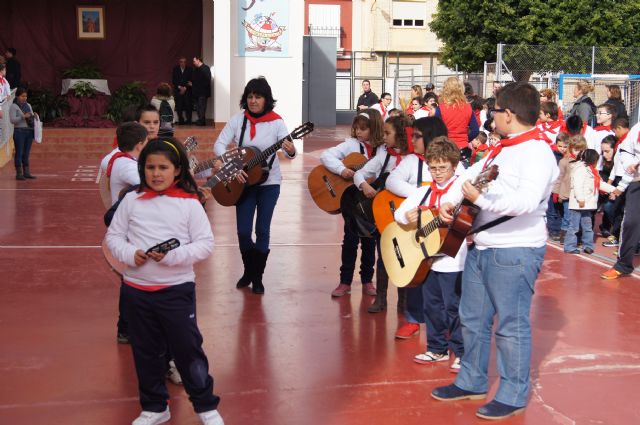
104,163
629,151
267,134
582,188
143,223
124,173
527,172
403,179
373,168
442,263
332,157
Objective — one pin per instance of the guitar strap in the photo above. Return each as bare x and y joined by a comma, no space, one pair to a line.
424,199
244,127
419,183
494,223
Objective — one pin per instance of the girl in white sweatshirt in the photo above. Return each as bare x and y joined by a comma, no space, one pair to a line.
159,286
583,201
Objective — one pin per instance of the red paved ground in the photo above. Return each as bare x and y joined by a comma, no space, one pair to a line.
294,356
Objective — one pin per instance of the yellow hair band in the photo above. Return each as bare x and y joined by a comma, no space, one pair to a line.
174,148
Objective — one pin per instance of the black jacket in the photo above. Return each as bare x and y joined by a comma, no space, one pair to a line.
201,81
14,72
180,78
368,99
620,108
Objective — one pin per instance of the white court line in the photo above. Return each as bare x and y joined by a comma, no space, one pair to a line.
592,260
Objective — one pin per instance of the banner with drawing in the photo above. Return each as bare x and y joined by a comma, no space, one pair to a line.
263,28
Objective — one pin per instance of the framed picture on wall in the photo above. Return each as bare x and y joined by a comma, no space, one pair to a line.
90,22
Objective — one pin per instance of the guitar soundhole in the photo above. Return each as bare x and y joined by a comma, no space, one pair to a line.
329,186
396,249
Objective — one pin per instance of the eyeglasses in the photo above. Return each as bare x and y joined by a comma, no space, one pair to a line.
436,170
493,112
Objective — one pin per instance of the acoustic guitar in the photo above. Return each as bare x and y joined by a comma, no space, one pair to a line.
326,188
384,207
407,250
255,165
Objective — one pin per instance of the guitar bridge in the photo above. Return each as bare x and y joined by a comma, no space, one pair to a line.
329,186
396,249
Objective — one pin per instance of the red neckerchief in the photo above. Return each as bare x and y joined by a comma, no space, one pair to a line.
410,110
596,179
113,160
269,116
384,110
436,192
481,148
533,134
602,127
420,157
172,191
369,149
624,136
396,154
552,126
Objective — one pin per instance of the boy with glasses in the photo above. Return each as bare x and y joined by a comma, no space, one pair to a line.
502,267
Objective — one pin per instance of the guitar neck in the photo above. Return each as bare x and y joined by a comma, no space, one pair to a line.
266,153
213,181
430,227
359,166
204,165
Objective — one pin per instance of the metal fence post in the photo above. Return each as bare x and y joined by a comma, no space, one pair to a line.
484,80
499,63
593,60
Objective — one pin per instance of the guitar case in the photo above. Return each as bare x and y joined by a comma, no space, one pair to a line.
357,209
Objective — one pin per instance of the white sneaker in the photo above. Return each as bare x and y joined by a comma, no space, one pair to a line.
455,366
430,357
212,417
152,418
173,375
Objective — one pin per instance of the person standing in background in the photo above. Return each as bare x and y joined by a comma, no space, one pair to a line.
368,98
180,78
201,88
14,71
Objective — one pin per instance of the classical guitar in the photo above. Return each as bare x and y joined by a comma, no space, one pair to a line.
228,172
198,167
356,208
255,165
406,250
384,206
326,188
464,214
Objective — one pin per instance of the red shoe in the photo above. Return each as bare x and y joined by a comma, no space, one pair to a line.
611,274
341,290
369,289
407,330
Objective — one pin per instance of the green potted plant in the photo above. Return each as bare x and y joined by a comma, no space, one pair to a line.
84,89
131,95
46,104
86,71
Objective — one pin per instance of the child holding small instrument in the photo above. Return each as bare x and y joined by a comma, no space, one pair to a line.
442,288
366,138
159,287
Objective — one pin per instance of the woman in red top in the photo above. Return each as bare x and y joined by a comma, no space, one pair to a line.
456,113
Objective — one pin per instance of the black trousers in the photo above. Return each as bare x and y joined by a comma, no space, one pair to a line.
201,108
630,234
184,104
350,253
166,320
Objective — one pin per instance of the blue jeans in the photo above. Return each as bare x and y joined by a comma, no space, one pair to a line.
22,139
554,217
579,219
262,199
414,311
441,294
498,282
565,216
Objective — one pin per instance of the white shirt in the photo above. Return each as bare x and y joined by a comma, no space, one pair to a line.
332,157
104,163
373,168
442,263
124,173
403,179
143,223
582,188
384,114
267,134
629,151
421,113
527,172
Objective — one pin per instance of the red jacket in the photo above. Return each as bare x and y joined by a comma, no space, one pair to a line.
456,118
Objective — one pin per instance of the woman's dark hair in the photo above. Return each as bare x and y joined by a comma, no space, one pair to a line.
20,91
399,123
614,92
611,141
588,156
261,87
173,150
429,96
430,127
487,124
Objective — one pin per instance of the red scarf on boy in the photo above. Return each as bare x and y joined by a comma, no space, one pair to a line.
113,160
533,134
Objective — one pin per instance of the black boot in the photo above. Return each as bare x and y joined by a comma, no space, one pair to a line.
402,299
382,282
19,175
260,263
27,174
248,259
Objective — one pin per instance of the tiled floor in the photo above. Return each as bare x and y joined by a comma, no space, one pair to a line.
293,356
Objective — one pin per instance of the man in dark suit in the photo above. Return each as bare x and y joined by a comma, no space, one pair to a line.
181,76
14,71
201,87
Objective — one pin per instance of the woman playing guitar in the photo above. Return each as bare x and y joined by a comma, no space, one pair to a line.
259,126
